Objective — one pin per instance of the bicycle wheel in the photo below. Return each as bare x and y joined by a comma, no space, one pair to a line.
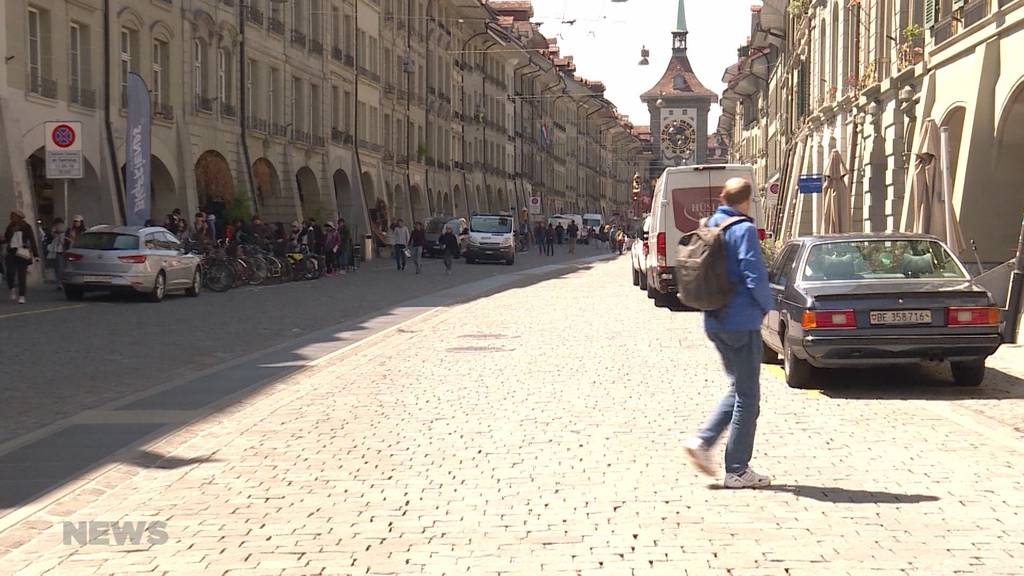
310,269
240,270
257,270
273,267
217,276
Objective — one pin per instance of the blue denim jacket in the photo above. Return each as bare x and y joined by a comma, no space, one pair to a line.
752,298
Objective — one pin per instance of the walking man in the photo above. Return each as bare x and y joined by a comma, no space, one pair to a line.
419,242
400,236
450,246
735,330
573,231
539,234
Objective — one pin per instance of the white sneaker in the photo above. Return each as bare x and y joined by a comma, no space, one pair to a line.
700,455
21,299
748,479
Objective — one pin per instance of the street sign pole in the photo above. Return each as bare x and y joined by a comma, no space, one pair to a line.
65,201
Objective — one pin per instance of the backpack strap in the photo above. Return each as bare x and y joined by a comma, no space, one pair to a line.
725,224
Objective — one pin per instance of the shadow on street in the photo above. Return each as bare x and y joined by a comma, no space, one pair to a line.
917,383
837,495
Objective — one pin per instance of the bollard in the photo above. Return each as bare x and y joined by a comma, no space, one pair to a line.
367,248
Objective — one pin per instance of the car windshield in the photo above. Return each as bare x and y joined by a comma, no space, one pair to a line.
491,224
880,260
107,241
435,226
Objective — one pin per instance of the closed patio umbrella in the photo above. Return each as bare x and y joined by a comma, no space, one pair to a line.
927,205
836,214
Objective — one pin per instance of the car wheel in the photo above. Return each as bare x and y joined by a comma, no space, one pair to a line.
636,277
72,293
643,280
768,354
510,261
197,285
968,373
470,260
159,288
799,373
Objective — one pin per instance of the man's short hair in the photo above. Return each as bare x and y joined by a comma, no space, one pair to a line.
736,191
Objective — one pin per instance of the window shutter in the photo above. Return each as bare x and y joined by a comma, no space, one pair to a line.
930,15
958,4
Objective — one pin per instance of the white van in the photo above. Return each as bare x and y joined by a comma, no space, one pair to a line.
491,238
683,197
593,221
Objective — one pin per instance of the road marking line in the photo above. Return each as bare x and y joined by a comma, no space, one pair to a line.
55,309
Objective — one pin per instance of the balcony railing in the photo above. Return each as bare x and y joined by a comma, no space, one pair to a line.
257,124
163,111
278,130
228,2
254,15
301,136
975,12
319,141
339,136
350,61
298,37
276,26
82,96
45,87
202,104
316,46
338,54
227,109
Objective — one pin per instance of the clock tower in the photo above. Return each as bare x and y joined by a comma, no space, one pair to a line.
679,106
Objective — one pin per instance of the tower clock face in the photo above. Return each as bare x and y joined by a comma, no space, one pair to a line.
678,137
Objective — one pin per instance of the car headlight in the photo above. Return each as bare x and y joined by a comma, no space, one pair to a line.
507,241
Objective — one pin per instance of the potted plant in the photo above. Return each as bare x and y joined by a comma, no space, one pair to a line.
910,51
798,7
421,151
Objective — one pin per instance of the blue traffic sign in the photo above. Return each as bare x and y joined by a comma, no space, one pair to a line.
809,184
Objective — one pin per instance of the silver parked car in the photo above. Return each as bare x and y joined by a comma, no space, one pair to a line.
130,259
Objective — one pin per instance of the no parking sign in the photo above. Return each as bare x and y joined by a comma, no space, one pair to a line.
63,150
534,204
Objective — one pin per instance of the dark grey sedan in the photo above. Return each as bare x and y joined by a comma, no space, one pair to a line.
857,300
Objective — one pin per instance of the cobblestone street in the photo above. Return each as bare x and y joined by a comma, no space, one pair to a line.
539,431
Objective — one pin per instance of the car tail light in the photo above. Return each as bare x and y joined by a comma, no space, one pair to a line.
829,319
982,316
647,248
761,234
662,250
72,257
135,259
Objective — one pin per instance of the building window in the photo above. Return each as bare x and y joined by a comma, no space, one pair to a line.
160,54
222,75
272,91
298,120
36,32
314,110
335,108
250,83
198,71
75,63
126,62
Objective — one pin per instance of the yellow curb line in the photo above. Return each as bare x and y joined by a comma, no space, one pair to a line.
55,309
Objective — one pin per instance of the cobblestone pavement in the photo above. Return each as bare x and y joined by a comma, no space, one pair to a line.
538,431
68,357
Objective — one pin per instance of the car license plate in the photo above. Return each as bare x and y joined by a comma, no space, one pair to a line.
104,279
901,317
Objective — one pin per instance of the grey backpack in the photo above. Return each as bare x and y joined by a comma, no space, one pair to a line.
702,280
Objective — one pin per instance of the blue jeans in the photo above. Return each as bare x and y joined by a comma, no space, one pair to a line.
741,355
400,256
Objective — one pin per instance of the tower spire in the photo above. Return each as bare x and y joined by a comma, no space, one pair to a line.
679,34
681,18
